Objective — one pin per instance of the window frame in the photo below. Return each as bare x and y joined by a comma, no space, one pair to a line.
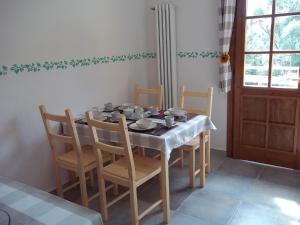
242,18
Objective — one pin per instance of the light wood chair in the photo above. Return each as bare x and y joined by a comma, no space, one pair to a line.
78,159
139,91
193,145
129,170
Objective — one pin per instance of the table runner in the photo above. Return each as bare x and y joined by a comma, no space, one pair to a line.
35,207
165,143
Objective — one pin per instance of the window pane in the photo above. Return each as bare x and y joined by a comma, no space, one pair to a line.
285,70
258,34
287,6
256,70
259,7
287,33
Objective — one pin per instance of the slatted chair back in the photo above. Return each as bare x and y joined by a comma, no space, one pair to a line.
208,95
157,92
124,149
56,138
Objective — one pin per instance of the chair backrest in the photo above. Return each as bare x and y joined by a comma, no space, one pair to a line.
55,137
124,149
158,92
208,95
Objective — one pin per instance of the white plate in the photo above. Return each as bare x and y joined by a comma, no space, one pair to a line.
134,126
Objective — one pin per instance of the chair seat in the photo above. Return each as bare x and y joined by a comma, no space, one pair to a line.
144,168
88,156
195,142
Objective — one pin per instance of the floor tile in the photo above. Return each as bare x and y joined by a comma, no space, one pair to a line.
211,207
241,168
281,176
287,221
176,219
252,214
285,200
231,185
217,158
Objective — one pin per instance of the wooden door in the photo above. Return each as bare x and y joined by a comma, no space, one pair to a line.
266,93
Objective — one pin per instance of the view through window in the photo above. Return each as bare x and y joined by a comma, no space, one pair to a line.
272,44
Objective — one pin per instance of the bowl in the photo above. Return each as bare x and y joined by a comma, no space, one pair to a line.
144,123
177,112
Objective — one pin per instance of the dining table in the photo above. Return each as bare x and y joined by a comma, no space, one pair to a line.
161,139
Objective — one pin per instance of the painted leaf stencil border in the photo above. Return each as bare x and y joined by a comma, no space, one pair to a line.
84,62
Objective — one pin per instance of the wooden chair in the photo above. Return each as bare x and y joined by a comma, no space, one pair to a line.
193,145
78,159
129,170
139,91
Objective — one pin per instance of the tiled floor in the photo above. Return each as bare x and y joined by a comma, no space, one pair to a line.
236,193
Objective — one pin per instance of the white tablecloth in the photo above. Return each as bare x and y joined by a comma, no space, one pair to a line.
165,143
27,205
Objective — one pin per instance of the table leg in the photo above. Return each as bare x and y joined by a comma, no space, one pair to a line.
202,160
165,188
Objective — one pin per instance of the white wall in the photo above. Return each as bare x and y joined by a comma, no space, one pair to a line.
37,31
197,30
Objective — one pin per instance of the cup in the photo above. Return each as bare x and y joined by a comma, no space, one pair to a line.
128,112
115,115
108,106
169,121
138,109
126,105
139,113
99,115
154,110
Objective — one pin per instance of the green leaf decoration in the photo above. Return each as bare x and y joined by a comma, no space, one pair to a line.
74,63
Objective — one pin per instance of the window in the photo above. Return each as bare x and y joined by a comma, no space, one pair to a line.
272,44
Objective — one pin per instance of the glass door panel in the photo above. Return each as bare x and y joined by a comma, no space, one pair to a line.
256,70
285,71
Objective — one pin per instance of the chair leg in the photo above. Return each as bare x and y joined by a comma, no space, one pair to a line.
83,190
142,152
134,205
115,189
207,154
102,196
92,183
181,156
59,189
202,161
192,167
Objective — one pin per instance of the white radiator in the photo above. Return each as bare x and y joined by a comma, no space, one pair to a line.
166,52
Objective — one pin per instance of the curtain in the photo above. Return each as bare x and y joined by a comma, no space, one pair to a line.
226,15
166,52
